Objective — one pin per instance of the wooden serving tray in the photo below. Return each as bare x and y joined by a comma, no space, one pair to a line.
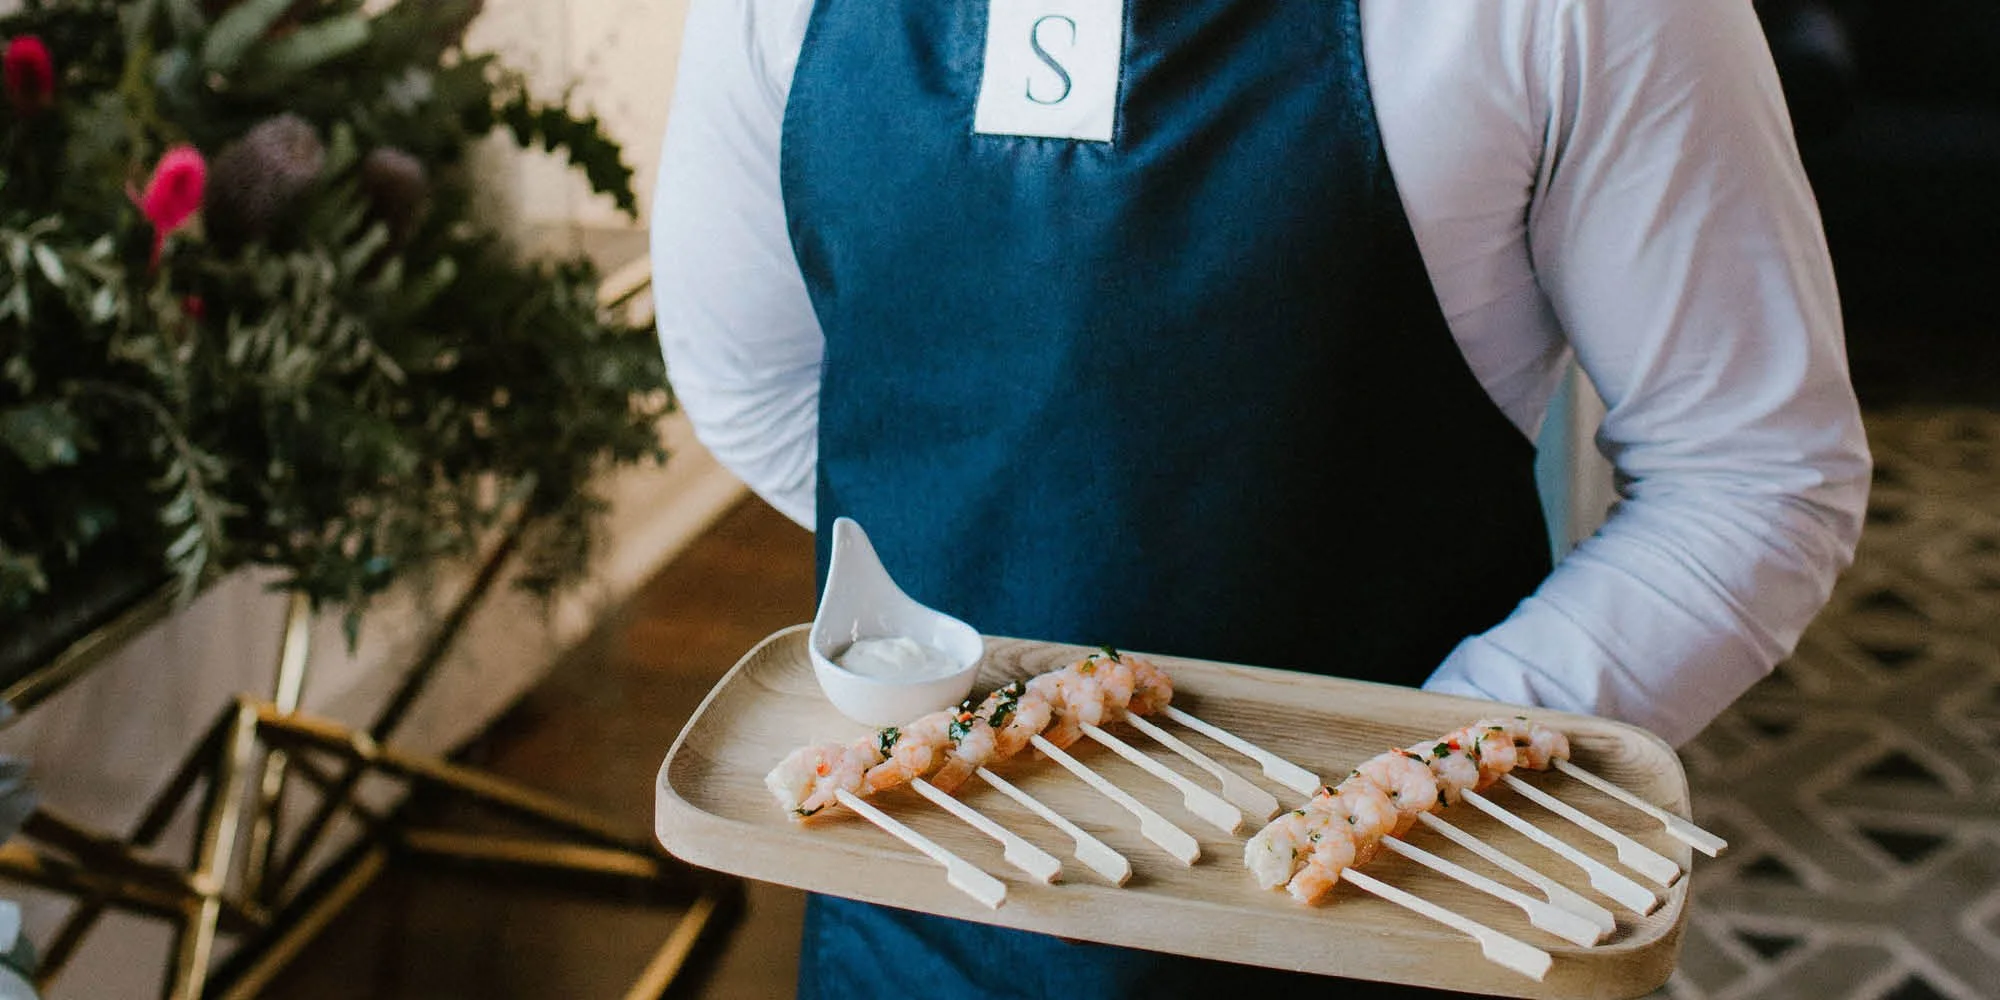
712,810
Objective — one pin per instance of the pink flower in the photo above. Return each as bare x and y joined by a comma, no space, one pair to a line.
31,75
174,194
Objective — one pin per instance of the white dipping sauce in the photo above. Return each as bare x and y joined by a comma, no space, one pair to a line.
897,659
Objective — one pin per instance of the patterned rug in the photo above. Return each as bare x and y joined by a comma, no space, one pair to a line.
1859,785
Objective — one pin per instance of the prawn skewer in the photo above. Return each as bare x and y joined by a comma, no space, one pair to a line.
1156,828
1276,768
1456,771
1390,792
1019,853
1539,747
1094,853
1255,802
1513,953
1413,787
962,874
1680,829
1198,800
1499,745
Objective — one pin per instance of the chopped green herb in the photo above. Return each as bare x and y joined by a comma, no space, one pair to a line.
1110,651
1441,751
958,730
1419,758
808,812
887,738
1002,712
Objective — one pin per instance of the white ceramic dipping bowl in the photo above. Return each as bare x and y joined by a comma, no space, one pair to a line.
862,602
878,702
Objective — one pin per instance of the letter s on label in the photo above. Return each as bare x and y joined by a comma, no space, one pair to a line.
1035,40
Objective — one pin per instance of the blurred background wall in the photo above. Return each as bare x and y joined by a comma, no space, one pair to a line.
620,56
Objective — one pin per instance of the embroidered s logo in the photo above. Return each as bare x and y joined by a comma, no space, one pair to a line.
1052,68
1035,39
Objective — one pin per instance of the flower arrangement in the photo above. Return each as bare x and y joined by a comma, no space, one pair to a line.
249,313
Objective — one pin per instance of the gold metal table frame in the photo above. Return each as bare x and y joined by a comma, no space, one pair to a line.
242,768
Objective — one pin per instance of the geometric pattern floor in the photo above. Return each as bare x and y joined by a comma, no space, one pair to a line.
1859,785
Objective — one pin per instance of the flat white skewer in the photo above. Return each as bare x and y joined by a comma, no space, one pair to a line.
1196,799
1515,954
1255,802
962,874
1276,768
1560,922
1170,838
1680,829
1631,853
1628,893
1094,853
1558,894
1019,853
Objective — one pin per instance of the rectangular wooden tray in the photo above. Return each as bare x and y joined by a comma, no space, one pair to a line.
712,810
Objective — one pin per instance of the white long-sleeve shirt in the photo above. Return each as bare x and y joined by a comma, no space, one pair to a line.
1613,180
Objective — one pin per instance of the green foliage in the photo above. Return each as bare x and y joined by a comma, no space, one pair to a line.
368,381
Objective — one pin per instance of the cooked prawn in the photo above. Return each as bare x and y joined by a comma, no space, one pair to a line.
1407,780
1062,729
1333,851
1277,850
1544,745
841,769
1152,689
914,751
1083,695
1028,715
1116,681
1453,768
1491,746
792,781
972,747
1369,813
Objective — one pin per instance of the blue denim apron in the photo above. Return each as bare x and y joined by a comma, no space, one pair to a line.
1186,391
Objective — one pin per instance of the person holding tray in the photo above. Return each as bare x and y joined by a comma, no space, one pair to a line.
1222,330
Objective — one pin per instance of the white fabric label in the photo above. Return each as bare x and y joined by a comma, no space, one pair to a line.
1051,68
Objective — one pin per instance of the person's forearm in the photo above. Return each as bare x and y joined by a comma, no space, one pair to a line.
1678,244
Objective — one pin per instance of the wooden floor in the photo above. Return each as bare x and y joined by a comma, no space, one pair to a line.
595,732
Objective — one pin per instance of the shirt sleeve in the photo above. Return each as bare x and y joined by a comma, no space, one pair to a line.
742,344
1678,244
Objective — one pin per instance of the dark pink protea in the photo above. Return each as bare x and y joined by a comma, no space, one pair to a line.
31,76
174,194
